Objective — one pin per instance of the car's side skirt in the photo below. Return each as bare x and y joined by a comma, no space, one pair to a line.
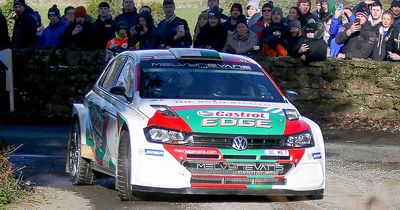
94,166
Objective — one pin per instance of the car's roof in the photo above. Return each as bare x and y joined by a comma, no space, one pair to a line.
173,54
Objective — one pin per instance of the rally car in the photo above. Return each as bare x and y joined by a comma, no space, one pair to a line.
193,121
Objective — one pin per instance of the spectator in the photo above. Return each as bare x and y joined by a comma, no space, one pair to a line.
305,9
230,23
120,41
241,40
311,46
51,37
358,37
337,24
395,7
322,11
293,14
212,29
376,9
69,14
253,12
39,24
274,36
264,21
4,38
145,32
294,38
145,8
103,24
393,45
215,3
173,31
383,31
202,20
129,16
25,27
327,26
81,34
364,5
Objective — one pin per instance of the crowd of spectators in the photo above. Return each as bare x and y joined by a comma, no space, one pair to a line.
332,29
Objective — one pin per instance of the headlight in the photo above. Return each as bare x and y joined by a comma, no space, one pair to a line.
300,140
291,114
165,136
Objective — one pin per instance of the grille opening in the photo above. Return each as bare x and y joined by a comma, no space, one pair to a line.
243,157
275,157
202,156
247,181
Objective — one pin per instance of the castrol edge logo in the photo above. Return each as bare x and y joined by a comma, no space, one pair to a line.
234,118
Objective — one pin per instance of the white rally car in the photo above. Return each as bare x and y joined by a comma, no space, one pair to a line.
193,121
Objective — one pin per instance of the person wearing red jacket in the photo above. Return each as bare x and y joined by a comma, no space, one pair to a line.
120,41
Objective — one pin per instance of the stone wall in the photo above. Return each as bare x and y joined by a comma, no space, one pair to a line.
48,82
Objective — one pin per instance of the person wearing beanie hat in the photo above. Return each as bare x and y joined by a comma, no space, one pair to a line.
358,37
264,20
51,36
311,46
274,37
294,38
236,11
172,31
120,42
104,24
81,34
213,35
253,12
395,8
241,40
25,26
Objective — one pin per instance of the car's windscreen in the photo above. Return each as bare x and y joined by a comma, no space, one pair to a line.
206,81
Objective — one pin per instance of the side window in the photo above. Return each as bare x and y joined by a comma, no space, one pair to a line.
112,74
126,77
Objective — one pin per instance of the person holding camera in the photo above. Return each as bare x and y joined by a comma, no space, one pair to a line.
358,37
144,37
312,46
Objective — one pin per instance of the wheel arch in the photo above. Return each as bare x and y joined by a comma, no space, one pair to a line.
80,113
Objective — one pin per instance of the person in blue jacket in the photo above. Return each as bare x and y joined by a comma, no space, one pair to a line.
339,19
51,36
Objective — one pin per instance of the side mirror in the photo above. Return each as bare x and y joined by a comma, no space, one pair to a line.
120,91
291,95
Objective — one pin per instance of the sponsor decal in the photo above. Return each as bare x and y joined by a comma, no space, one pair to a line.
234,114
196,151
204,66
228,122
153,152
223,166
275,152
317,155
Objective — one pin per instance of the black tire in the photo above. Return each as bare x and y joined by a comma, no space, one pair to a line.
124,187
79,168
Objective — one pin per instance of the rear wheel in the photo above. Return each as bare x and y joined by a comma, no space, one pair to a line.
79,168
125,191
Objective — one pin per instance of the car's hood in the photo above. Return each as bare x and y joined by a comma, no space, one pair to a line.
222,117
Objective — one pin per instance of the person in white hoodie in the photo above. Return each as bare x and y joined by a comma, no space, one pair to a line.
253,12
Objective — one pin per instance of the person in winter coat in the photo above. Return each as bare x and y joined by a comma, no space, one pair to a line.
202,20
295,30
213,35
129,16
311,46
395,7
339,19
376,9
173,31
230,23
103,24
253,12
264,21
215,3
306,16
51,36
358,37
120,41
81,34
383,31
5,42
241,40
24,33
393,45
145,36
322,11
274,37
69,14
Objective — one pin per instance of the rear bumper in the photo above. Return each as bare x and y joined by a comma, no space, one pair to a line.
227,191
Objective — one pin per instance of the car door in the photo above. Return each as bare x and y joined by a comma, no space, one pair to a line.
98,103
119,104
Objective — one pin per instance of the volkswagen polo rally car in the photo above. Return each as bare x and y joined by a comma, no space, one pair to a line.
193,121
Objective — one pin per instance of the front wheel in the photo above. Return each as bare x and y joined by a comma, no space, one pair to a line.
79,168
124,186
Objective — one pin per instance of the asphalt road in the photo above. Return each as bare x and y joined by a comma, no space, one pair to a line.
362,173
